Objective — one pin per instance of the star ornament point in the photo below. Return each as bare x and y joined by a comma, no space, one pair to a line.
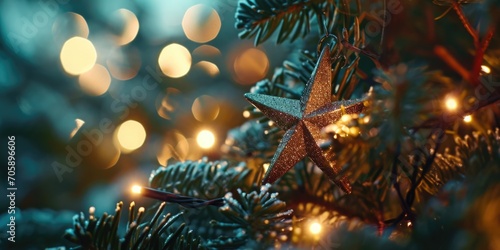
303,120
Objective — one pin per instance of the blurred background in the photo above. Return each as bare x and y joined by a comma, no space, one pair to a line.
100,93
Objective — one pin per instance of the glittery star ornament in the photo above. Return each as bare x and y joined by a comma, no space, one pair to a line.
303,121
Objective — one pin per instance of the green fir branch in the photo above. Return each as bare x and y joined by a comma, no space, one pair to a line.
160,232
290,19
259,220
202,179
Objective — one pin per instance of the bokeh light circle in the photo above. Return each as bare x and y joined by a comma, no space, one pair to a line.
205,108
68,25
174,60
78,55
96,81
209,67
124,62
206,51
201,23
251,66
130,27
131,135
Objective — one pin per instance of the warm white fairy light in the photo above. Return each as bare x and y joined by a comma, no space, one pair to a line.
91,213
468,118
315,228
205,139
451,103
136,189
485,69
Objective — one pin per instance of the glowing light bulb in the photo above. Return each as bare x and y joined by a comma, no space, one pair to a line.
136,189
467,118
205,139
451,103
315,228
485,69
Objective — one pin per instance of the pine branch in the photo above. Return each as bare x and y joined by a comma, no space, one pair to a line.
202,179
258,219
290,18
158,233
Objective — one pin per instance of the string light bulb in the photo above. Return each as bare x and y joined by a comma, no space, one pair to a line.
451,103
467,118
205,139
315,228
136,189
485,69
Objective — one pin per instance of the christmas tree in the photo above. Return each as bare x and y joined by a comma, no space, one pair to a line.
378,131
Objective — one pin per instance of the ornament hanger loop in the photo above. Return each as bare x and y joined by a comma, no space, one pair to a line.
326,39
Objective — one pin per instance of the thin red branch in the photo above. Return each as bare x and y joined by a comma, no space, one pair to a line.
478,58
465,22
452,62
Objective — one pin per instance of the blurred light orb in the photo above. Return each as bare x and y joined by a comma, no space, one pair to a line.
124,63
206,51
68,25
131,135
468,118
78,55
201,23
131,26
251,66
182,146
485,69
451,103
95,81
209,67
174,60
164,154
167,105
315,228
205,108
136,189
205,139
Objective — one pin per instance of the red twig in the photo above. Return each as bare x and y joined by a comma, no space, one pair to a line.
478,58
452,62
465,22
